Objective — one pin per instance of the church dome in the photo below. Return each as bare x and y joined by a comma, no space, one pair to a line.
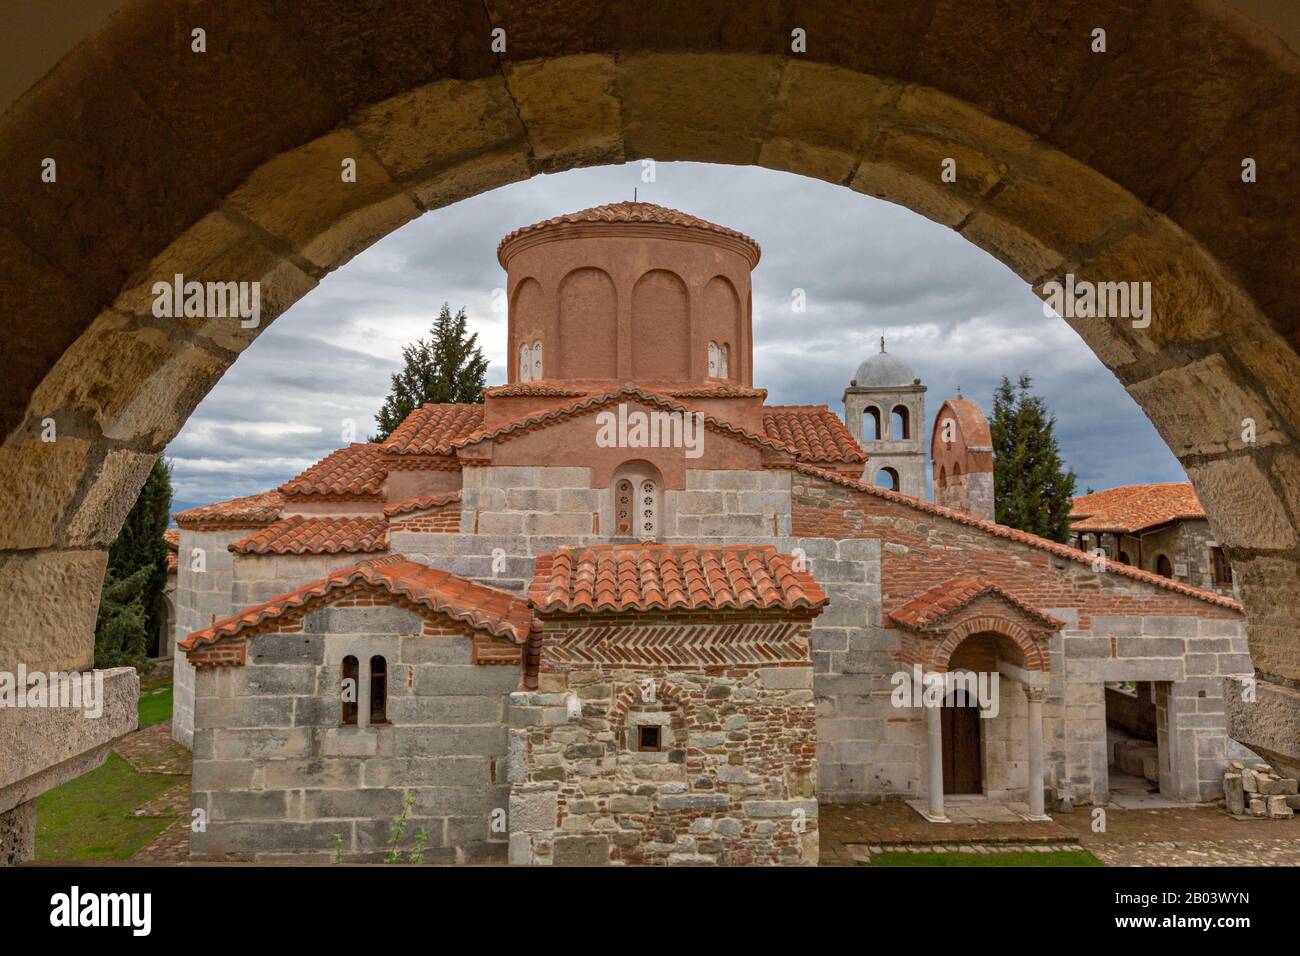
883,370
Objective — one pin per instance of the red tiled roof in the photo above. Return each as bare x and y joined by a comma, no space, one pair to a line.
814,430
544,389
356,471
636,212
1023,537
565,412
247,512
432,429
663,577
1132,508
715,390
173,538
931,607
970,420
486,609
327,535
407,505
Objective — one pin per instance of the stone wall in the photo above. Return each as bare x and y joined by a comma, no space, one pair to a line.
734,780
281,778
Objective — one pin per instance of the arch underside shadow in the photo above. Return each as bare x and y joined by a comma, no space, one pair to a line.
225,167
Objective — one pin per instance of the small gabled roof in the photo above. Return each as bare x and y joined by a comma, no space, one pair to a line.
1129,509
554,416
420,503
931,608
356,471
492,611
250,511
816,432
668,577
1023,537
298,534
432,428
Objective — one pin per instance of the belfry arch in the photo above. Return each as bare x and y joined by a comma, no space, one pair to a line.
1117,166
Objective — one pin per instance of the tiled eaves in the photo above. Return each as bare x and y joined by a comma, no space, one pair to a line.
555,416
931,608
421,503
431,428
250,511
1022,537
1129,509
354,471
485,609
642,578
299,534
816,431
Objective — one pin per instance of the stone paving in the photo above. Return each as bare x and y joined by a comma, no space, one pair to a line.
152,750
1179,836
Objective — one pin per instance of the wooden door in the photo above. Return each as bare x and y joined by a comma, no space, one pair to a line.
961,749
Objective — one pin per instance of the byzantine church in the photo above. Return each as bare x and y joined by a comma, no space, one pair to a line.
556,647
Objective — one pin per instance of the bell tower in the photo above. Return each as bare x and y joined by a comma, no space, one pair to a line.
884,408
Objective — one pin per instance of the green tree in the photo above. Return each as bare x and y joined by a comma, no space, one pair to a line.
130,604
1032,486
447,367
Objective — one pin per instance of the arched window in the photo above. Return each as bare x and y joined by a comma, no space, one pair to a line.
956,471
349,689
378,690
871,423
887,478
525,363
943,477
638,497
537,361
1124,558
1163,567
714,360
900,426
724,361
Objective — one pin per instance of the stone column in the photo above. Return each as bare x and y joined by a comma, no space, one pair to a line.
934,741
1035,698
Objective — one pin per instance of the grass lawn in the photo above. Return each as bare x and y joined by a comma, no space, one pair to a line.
156,705
1009,858
89,818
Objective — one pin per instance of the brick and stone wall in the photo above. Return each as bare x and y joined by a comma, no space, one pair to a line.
735,779
281,778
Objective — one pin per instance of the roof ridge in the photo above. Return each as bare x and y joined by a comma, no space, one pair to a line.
1024,537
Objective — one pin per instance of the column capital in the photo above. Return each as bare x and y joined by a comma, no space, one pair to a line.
1035,694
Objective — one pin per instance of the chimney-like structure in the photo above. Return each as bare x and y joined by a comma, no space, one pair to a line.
961,458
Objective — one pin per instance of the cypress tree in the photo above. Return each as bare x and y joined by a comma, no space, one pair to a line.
1032,487
449,366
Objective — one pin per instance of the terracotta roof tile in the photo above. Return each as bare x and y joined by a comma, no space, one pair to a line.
542,389
173,538
930,608
814,430
663,577
356,471
543,419
423,502
1132,508
715,390
326,535
495,612
634,212
250,511
1023,537
432,429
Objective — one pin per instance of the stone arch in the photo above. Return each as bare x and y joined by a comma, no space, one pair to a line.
1035,657
871,424
887,478
666,693
722,324
900,423
1069,163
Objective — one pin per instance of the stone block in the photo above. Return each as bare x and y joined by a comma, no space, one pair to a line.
581,851
533,812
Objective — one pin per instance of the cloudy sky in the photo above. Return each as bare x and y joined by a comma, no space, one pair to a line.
868,268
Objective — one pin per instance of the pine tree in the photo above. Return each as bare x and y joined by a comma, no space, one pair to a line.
447,367
130,603
1033,488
